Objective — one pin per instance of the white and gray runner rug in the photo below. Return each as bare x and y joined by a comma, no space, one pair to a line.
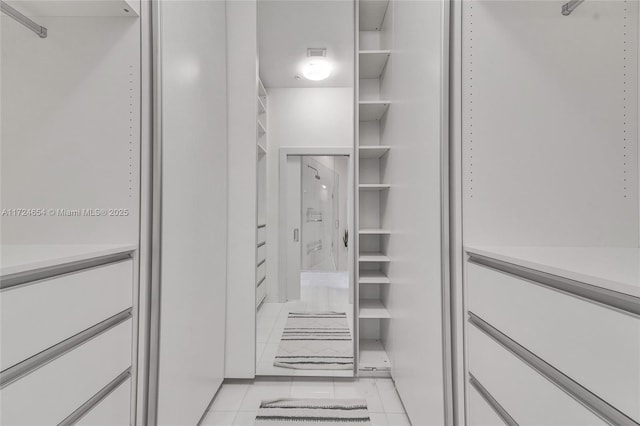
334,412
316,341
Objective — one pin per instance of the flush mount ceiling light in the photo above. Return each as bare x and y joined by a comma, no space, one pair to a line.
316,70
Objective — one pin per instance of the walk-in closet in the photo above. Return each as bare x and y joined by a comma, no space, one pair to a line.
375,212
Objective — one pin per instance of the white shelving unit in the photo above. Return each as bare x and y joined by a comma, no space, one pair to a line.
261,227
372,106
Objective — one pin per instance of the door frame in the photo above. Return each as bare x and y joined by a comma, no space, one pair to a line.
284,153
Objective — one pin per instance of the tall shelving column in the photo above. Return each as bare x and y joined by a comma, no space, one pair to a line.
261,227
372,104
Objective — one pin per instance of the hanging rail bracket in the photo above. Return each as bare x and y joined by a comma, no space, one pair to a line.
569,7
19,17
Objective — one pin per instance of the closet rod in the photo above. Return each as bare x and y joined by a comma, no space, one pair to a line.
19,17
567,8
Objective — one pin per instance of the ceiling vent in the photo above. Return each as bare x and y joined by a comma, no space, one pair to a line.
317,52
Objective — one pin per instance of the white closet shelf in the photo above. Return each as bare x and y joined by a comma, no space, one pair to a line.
372,14
65,8
372,110
373,356
261,128
374,186
373,277
373,257
25,257
373,231
372,309
373,151
261,149
372,62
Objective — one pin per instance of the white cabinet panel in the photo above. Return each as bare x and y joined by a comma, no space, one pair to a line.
526,395
193,262
67,305
114,410
48,395
596,346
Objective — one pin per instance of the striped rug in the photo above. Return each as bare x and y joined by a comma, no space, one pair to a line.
334,412
316,341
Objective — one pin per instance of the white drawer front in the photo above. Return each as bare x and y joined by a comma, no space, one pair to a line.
114,410
481,413
51,393
39,315
596,346
527,396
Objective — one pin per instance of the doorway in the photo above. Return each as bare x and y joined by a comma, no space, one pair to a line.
310,331
317,249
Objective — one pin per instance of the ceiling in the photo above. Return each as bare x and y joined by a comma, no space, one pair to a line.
286,28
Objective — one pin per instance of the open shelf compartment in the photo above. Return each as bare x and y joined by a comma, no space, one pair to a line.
373,357
373,309
372,62
373,151
372,110
372,13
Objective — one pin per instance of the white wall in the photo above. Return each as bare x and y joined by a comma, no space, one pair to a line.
412,211
550,124
242,212
71,129
194,211
319,117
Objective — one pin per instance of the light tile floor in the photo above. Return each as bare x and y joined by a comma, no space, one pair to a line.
237,402
319,291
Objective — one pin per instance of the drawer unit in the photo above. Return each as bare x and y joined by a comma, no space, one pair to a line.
480,412
528,397
596,346
51,393
38,315
114,410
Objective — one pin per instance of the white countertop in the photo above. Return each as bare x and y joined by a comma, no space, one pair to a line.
21,258
616,269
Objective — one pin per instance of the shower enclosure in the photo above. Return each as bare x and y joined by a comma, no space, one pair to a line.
320,215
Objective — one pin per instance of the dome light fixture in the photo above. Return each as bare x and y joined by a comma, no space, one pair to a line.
316,70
